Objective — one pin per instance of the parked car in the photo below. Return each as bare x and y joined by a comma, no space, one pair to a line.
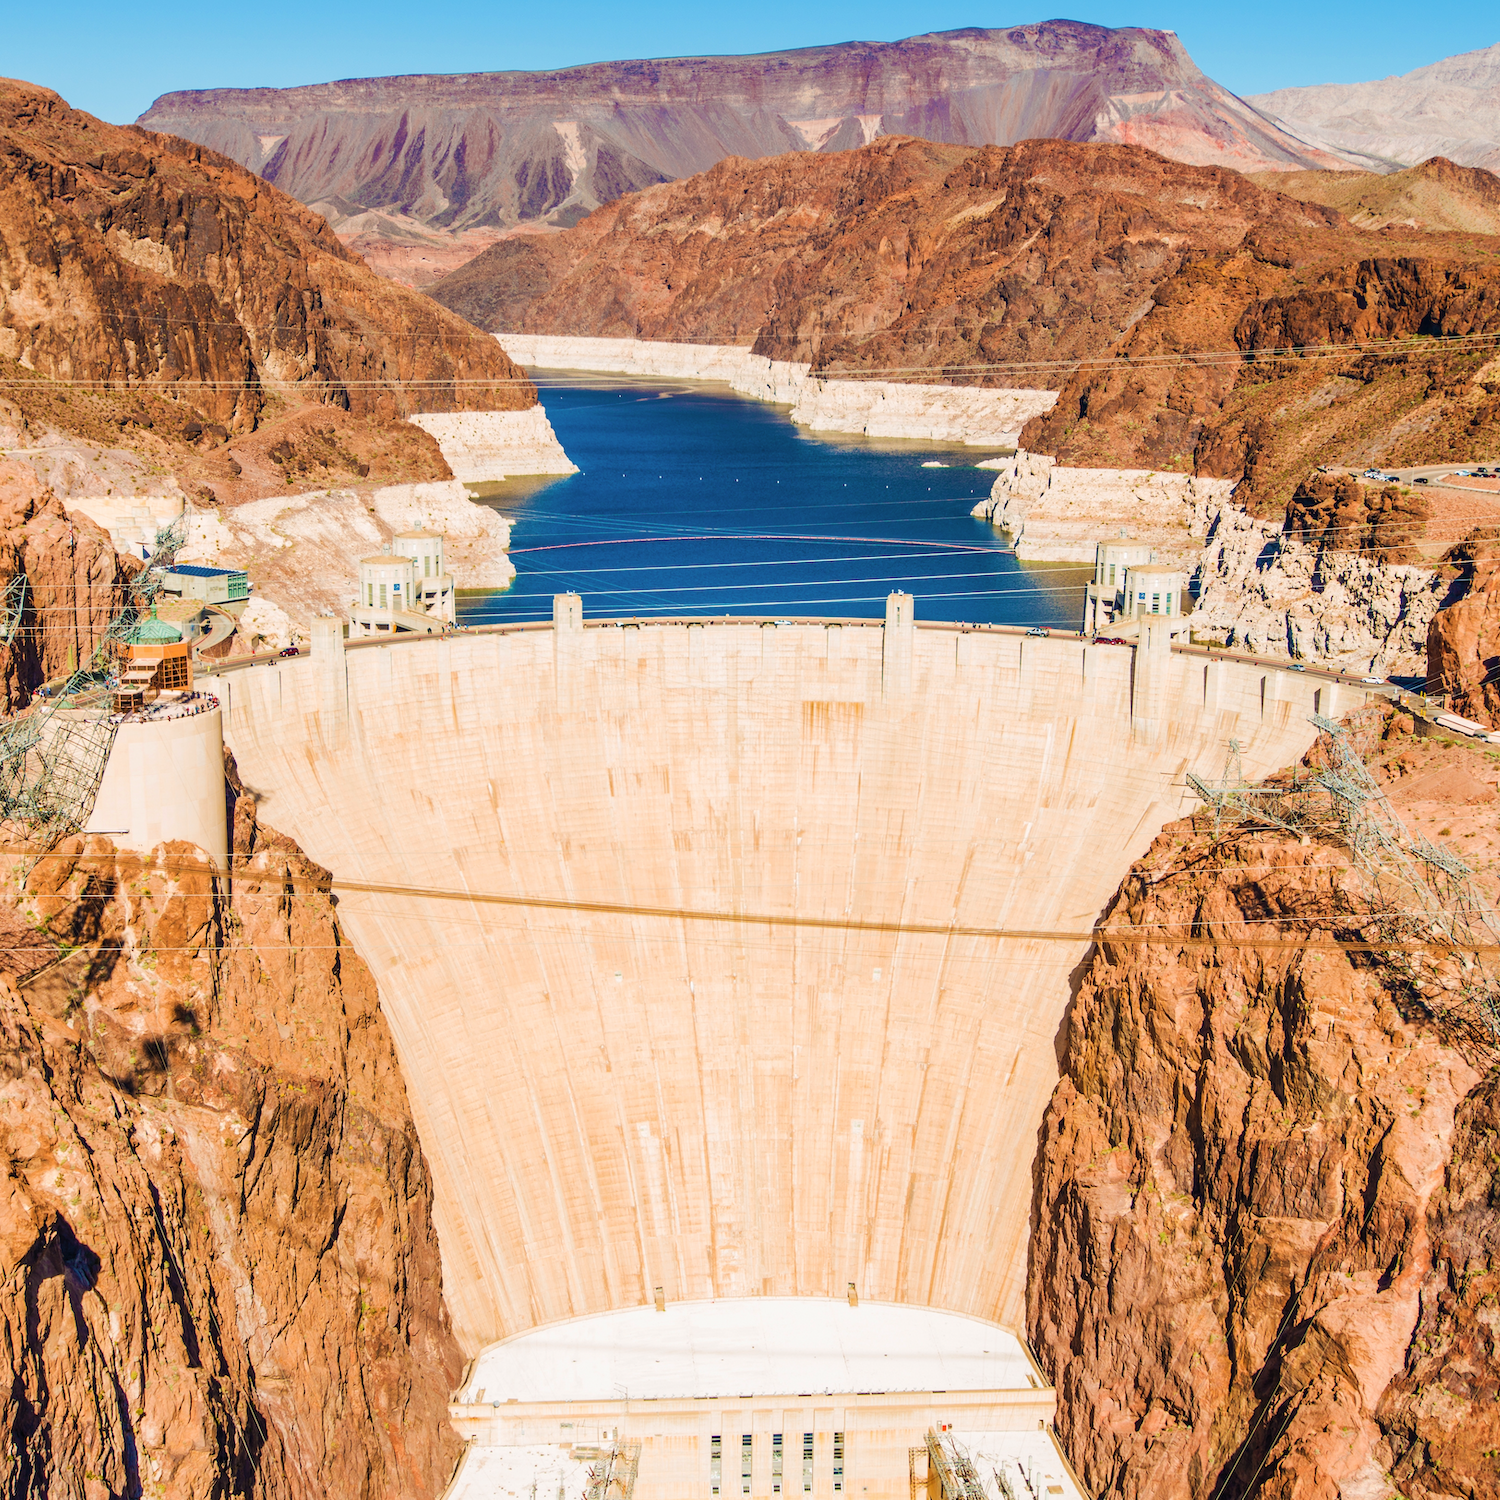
1110,640
295,650
1038,630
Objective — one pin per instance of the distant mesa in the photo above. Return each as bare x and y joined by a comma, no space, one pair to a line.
402,166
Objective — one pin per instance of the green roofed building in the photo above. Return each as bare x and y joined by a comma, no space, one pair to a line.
153,632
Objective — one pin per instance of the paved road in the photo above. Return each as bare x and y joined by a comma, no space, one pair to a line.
1435,474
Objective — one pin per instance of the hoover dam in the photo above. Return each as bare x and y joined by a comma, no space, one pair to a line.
728,959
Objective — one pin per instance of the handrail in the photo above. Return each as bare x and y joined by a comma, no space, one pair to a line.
873,622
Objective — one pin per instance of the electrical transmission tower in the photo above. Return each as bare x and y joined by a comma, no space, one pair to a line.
53,755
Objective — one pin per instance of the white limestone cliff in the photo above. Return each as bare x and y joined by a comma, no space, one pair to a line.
749,374
302,551
871,408
1270,593
484,446
932,413
1058,514
1257,588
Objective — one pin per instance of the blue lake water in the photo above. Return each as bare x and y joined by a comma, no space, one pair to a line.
695,501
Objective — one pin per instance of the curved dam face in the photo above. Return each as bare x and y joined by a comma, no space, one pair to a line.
765,1036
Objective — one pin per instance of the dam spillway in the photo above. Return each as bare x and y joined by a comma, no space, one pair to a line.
688,935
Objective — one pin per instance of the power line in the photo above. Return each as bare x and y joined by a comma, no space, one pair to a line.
1408,344
1187,935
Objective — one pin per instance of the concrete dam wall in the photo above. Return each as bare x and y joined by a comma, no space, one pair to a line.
691,937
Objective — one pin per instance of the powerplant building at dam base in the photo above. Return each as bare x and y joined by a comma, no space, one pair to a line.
727,963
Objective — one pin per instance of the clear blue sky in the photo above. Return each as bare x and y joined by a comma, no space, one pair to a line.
113,58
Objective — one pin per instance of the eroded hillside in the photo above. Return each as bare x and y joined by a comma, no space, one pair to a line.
218,328
1010,266
1437,194
220,1273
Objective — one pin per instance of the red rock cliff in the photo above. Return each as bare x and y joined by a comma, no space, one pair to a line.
1463,640
139,259
218,1270
1267,1199
75,585
1015,266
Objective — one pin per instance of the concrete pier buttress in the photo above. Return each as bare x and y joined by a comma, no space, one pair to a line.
690,1068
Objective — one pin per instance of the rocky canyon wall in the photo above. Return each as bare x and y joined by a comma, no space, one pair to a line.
1265,589
183,271
1149,294
218,1269
1057,514
220,1275
1265,1226
75,584
1463,641
1338,581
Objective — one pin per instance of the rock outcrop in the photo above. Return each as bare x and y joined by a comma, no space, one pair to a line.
134,259
220,1272
1463,640
75,585
386,156
1337,581
1265,1218
1263,589
1449,108
484,446
1060,515
302,551
1338,513
1438,194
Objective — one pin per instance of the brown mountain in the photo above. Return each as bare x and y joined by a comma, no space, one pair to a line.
1006,266
1435,195
150,267
201,1111
488,150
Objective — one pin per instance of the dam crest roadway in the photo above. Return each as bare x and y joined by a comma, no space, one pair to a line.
741,1022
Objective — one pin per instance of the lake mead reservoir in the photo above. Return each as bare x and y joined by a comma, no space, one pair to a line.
694,501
